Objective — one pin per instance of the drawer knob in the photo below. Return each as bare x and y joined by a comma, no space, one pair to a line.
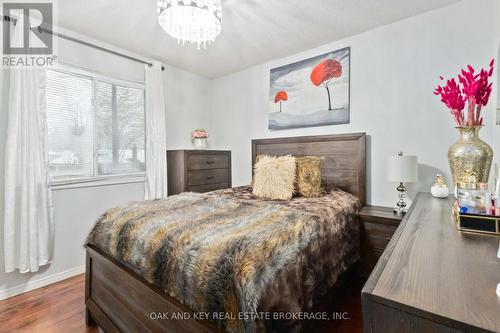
388,238
210,162
210,177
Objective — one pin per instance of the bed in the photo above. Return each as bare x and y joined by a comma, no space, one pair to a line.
259,256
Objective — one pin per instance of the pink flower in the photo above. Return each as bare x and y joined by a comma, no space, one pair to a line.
452,97
475,90
199,134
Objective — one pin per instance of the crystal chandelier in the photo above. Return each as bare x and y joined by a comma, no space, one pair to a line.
195,21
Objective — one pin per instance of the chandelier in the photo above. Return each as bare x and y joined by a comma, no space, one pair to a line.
195,21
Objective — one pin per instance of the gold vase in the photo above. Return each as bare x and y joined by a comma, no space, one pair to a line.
470,156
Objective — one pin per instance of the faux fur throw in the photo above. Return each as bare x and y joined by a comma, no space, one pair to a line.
212,252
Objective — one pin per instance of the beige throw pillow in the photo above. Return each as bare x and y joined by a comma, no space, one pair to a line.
308,176
274,177
257,159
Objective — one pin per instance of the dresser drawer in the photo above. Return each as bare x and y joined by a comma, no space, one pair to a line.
198,170
208,187
375,235
212,176
203,162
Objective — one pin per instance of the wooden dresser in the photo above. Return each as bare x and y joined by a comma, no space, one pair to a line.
377,224
433,278
198,170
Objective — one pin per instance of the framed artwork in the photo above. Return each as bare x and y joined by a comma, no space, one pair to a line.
311,92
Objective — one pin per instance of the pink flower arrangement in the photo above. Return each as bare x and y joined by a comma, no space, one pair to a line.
199,133
473,88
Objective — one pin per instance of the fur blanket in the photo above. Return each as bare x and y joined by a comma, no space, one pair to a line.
220,253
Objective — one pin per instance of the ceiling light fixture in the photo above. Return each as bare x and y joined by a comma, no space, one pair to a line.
195,21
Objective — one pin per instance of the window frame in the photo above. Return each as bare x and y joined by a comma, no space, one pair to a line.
96,179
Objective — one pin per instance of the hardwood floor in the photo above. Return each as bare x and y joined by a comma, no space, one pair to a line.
348,301
55,308
60,308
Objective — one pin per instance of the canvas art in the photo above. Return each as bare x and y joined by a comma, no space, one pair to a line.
311,92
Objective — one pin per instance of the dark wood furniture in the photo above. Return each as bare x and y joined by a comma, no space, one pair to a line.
433,278
198,170
117,299
377,225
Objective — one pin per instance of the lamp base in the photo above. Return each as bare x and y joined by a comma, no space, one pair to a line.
399,212
401,204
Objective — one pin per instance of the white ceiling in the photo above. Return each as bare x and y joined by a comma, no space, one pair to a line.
253,31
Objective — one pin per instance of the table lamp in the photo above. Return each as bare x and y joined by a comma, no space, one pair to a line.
402,169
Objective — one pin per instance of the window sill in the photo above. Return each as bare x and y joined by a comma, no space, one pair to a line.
96,182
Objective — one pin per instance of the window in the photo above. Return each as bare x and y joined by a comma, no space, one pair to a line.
95,126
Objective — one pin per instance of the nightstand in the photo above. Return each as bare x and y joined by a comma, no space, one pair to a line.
377,225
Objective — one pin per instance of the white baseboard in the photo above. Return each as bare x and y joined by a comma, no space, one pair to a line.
32,285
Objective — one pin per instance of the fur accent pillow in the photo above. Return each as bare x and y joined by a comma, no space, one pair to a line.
257,159
309,176
274,177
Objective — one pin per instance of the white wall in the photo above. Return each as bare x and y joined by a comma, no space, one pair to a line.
188,106
188,99
394,70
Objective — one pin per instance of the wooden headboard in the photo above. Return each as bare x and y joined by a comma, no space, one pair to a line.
345,157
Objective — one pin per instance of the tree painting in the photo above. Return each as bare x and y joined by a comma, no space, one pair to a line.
300,86
324,73
280,96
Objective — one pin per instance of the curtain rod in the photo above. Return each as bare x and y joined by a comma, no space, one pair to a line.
79,41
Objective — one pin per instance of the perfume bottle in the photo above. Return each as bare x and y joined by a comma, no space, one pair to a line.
473,198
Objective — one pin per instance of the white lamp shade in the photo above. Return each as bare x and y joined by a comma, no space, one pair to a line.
402,168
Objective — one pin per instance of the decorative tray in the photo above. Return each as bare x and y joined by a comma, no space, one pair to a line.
484,224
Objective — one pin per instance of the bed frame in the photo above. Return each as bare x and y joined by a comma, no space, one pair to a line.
119,300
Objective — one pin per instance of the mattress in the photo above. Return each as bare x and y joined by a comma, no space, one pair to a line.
232,256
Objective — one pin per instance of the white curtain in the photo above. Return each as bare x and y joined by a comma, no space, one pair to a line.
156,139
28,216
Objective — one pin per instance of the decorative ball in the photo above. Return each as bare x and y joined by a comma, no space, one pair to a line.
439,189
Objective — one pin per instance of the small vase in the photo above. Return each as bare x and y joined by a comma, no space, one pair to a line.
200,143
470,157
